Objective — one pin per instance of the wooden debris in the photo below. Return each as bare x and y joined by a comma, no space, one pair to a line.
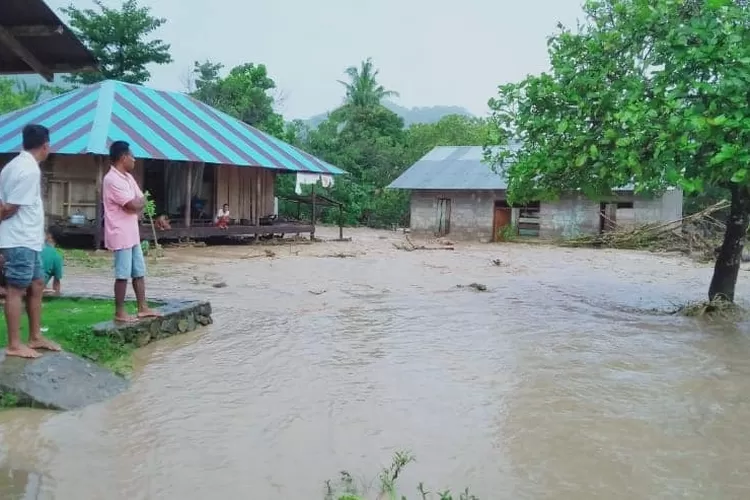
479,287
409,246
681,235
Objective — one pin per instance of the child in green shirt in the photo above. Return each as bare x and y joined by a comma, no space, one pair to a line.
52,265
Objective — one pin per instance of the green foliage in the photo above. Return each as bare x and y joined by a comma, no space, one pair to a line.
508,232
652,92
149,208
370,142
346,489
8,400
73,320
118,38
363,88
16,95
450,130
244,93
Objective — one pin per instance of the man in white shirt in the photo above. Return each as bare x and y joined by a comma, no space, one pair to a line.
21,241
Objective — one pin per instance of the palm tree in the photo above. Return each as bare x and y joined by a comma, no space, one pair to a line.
363,89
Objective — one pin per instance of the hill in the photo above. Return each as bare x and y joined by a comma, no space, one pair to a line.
427,114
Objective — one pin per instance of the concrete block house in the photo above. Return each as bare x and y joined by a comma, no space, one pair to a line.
454,192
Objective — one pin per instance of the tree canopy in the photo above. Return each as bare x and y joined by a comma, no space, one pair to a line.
244,93
119,38
363,88
652,92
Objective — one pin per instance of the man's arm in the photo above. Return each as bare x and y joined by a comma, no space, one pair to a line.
56,285
20,193
7,210
123,196
135,205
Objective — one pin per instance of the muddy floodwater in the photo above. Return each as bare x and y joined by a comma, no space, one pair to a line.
555,383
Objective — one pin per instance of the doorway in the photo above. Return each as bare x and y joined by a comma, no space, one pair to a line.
501,218
607,217
443,222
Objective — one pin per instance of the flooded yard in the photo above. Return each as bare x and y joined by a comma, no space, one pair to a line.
555,382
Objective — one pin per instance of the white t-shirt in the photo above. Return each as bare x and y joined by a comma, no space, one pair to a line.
21,184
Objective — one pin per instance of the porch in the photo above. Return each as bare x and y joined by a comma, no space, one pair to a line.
189,194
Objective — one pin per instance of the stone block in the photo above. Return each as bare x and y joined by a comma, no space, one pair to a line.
179,316
57,381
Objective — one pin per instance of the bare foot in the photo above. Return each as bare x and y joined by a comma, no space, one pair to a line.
44,344
125,319
22,351
149,313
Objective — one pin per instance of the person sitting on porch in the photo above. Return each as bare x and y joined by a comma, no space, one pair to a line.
162,223
52,265
222,218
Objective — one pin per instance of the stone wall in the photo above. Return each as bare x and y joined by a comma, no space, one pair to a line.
568,217
179,316
471,213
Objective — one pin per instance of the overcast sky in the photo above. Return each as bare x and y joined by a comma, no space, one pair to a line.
432,52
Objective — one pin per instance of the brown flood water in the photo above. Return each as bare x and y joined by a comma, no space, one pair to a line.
553,384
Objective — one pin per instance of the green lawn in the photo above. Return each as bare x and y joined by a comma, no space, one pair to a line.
69,322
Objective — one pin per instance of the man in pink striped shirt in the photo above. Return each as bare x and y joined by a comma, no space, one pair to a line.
123,204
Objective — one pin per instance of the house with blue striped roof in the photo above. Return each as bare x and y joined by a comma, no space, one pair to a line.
191,157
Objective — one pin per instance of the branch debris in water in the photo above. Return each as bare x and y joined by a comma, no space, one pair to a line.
698,234
409,246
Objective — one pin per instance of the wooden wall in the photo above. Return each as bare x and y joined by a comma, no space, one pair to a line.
248,191
70,184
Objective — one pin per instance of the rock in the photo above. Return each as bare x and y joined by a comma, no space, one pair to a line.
57,381
220,284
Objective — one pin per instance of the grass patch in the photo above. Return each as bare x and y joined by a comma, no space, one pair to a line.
346,489
75,257
69,322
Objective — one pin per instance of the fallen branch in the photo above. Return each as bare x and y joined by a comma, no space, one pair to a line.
410,246
681,235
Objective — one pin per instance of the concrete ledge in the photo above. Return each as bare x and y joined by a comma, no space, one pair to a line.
179,316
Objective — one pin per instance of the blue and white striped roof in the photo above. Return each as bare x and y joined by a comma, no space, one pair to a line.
158,125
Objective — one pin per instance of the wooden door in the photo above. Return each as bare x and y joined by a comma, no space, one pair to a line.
443,222
608,213
501,219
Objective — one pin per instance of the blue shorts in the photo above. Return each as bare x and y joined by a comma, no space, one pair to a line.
22,266
129,263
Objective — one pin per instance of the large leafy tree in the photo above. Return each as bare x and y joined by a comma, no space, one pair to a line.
244,93
652,92
120,40
363,88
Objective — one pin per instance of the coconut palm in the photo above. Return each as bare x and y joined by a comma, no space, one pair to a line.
363,89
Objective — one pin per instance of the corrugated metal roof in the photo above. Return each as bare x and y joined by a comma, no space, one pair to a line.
457,168
451,167
158,124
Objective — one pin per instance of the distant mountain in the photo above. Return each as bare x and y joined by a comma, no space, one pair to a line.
427,114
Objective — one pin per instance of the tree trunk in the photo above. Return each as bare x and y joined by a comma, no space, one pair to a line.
730,255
